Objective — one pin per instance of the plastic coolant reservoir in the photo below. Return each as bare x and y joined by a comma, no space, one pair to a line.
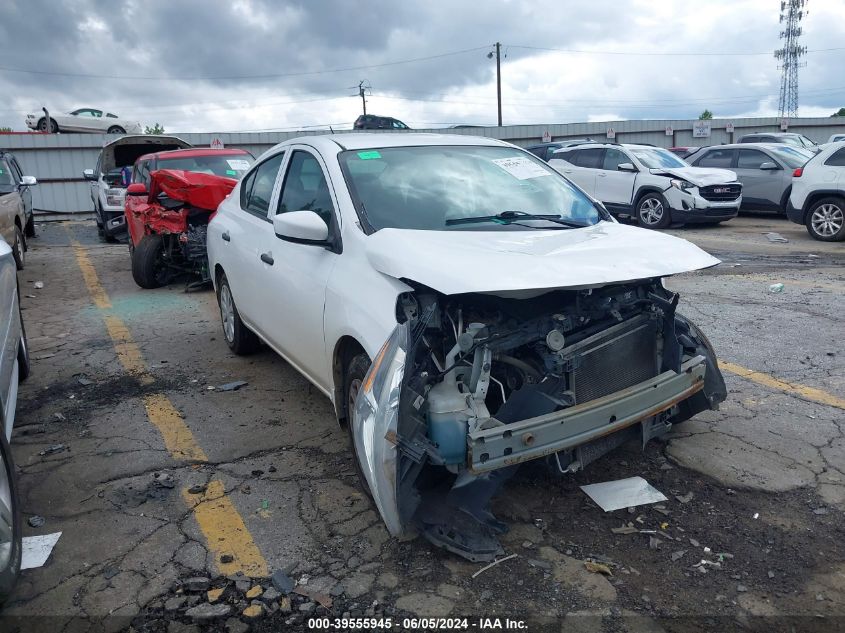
447,421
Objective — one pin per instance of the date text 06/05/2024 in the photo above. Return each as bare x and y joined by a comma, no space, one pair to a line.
417,624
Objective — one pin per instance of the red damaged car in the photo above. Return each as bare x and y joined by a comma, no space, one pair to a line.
169,203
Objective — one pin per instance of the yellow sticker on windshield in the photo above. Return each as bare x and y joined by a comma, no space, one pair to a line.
369,155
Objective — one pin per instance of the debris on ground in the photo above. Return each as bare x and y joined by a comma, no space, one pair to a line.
36,520
776,288
59,417
233,386
676,556
213,595
493,564
623,493
316,596
35,550
597,568
164,480
83,380
776,238
55,448
625,529
207,611
38,285
654,542
684,498
196,584
282,582
197,489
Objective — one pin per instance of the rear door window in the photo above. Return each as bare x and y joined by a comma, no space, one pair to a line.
751,159
837,159
717,158
257,186
590,158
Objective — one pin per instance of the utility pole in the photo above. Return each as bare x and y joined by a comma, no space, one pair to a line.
498,55
362,94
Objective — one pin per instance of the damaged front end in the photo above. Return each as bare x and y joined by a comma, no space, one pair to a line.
468,387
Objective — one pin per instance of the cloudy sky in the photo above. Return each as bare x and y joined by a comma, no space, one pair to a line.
209,65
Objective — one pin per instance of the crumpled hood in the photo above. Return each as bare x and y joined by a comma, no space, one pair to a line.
455,262
699,176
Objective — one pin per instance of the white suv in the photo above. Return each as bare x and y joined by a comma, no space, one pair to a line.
650,183
818,194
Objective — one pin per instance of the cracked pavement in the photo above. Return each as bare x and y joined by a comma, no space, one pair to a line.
131,528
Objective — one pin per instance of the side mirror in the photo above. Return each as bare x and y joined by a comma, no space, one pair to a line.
28,181
88,174
302,227
626,167
769,165
136,189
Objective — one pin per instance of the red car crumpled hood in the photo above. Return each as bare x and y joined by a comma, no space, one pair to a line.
198,190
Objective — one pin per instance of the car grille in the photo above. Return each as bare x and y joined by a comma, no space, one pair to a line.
619,357
720,193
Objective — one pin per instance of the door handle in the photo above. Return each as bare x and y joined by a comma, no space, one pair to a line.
567,171
226,237
602,175
267,258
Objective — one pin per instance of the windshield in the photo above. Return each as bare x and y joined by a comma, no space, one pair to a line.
427,187
657,158
229,165
792,156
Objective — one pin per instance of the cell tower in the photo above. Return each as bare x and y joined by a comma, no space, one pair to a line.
789,55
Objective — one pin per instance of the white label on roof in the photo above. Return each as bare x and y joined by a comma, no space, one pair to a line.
521,168
238,164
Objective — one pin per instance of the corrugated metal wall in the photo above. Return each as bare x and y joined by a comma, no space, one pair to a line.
57,160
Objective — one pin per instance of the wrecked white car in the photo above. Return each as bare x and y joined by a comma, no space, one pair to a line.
466,308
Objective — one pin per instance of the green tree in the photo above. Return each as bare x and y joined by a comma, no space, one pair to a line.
155,129
705,116
839,112
5,129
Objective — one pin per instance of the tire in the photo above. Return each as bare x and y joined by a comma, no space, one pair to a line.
42,125
653,211
116,129
24,368
353,378
19,248
240,339
148,267
29,229
826,220
10,551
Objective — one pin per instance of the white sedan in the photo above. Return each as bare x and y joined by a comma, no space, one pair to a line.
466,309
83,120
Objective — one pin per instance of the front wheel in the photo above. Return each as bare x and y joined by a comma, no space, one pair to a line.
149,270
42,125
19,248
116,129
239,337
10,523
353,380
826,220
653,212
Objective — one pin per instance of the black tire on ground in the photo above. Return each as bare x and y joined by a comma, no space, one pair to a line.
29,229
10,566
653,211
826,219
116,129
353,378
240,339
148,267
19,248
23,351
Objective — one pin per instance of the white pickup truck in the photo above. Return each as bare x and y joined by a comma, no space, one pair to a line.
650,183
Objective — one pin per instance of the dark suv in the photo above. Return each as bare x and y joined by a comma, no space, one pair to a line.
376,122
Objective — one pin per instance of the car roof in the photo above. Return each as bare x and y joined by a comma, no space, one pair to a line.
769,146
195,151
367,140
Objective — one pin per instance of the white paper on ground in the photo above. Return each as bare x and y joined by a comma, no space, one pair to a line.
623,493
36,549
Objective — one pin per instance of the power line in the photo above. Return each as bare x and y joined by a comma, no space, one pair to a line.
222,77
662,54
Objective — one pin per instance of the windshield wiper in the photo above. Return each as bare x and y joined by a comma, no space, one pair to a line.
509,217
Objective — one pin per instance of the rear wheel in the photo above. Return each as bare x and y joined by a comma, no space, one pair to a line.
42,125
353,380
23,350
29,229
653,212
239,337
10,523
826,220
19,248
149,270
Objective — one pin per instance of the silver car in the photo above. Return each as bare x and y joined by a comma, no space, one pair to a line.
764,169
14,367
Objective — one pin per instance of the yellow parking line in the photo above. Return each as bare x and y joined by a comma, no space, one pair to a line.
217,517
225,531
795,389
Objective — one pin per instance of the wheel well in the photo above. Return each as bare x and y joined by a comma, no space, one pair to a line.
345,350
218,273
641,193
784,199
816,196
